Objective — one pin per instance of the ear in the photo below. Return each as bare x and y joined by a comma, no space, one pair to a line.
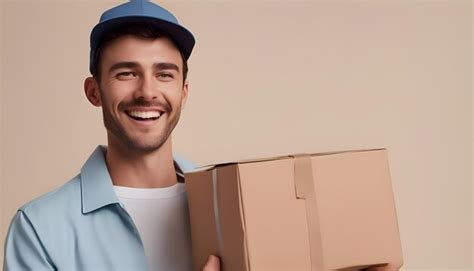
184,98
91,89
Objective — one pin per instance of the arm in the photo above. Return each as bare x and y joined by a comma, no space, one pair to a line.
23,248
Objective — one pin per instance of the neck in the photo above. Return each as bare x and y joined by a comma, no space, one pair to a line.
130,168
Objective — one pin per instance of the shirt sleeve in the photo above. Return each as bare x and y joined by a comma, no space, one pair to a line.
23,248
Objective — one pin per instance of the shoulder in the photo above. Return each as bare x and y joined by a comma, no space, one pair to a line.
184,164
39,226
62,200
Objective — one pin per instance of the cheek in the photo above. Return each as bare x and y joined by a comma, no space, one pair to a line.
117,95
174,93
111,104
174,101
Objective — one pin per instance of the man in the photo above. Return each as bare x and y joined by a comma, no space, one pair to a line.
127,209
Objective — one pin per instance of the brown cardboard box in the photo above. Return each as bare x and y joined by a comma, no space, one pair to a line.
328,211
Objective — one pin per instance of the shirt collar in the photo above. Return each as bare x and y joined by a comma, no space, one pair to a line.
96,184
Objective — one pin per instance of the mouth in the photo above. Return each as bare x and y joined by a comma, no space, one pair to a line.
144,116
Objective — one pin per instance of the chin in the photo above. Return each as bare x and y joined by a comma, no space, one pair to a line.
145,146
138,141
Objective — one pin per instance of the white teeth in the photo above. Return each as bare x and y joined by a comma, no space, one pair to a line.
144,115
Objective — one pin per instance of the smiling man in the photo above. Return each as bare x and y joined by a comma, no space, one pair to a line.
127,208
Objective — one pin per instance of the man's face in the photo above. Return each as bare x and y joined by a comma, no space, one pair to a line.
141,91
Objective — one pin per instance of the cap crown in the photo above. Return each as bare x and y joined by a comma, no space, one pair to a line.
138,8
140,11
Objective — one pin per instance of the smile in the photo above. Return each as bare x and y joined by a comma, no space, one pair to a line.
143,115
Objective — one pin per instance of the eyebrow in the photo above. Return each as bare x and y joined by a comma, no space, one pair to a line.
166,66
132,64
125,64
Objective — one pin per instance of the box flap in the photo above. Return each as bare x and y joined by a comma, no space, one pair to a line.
264,159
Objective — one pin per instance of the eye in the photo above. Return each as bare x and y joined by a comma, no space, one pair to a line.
126,75
165,76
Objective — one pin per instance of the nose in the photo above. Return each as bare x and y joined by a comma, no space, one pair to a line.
147,89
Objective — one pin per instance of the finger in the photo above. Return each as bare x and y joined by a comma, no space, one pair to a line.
387,267
212,264
392,267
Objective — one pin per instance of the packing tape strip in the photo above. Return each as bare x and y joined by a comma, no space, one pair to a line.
217,220
305,188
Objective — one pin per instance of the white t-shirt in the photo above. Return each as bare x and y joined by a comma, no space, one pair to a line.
161,217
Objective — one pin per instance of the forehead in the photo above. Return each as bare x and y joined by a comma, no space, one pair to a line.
143,51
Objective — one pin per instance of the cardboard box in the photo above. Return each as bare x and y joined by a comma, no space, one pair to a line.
328,211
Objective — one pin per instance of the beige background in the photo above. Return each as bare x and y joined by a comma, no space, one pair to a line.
267,78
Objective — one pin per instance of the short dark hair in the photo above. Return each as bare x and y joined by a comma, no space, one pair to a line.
139,30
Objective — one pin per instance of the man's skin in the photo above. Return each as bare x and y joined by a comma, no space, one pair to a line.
389,267
145,76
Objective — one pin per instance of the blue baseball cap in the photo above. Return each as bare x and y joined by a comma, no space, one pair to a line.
141,11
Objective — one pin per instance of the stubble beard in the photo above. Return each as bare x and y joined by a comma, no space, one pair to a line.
134,143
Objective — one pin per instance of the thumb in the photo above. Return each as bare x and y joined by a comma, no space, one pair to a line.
212,264
386,267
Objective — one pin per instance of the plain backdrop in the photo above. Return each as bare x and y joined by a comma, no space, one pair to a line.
268,78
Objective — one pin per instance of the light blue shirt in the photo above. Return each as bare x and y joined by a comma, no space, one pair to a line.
79,226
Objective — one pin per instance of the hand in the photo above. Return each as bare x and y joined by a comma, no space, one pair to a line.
388,267
213,264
